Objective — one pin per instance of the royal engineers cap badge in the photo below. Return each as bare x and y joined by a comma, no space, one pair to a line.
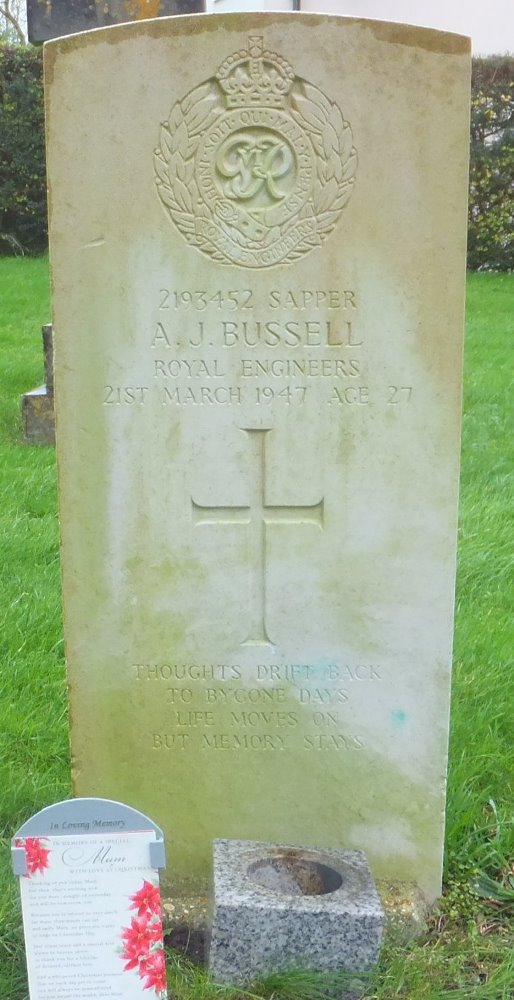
255,165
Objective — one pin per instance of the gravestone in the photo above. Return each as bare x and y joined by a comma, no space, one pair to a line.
37,406
258,266
52,18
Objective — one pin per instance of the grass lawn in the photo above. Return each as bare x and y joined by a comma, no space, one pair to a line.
468,951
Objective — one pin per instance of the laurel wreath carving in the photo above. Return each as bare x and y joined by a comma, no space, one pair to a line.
329,133
336,159
175,165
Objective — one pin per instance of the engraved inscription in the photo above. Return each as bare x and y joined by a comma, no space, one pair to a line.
248,741
296,299
308,714
200,300
257,332
127,395
255,165
258,514
173,391
303,335
399,394
256,741
274,673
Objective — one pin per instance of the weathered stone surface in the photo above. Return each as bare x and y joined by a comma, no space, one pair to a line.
406,909
319,910
37,411
258,263
48,352
53,18
37,406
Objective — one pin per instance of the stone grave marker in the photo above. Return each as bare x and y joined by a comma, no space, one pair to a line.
90,899
258,283
37,406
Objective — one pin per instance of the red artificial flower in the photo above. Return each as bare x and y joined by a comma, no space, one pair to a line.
36,855
153,971
147,900
142,941
142,933
134,953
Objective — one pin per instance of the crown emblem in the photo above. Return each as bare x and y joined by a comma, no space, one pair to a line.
254,77
255,164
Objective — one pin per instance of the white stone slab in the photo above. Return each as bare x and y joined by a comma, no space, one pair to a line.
257,241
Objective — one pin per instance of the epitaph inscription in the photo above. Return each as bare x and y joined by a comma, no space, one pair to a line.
255,165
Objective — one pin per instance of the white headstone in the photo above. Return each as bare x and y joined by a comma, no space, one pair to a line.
258,229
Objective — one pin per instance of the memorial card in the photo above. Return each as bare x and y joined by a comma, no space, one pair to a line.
92,917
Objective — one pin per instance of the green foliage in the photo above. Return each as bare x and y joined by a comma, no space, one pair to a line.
458,904
491,190
499,894
22,152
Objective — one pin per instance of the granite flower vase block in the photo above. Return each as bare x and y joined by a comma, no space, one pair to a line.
279,907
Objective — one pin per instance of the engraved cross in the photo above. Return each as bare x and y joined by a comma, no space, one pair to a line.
258,514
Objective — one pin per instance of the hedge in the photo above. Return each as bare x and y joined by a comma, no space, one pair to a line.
491,205
22,152
491,189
